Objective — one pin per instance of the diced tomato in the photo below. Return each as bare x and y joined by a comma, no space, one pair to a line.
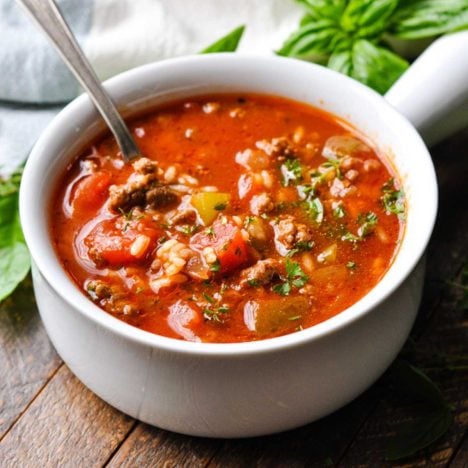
108,244
227,240
91,191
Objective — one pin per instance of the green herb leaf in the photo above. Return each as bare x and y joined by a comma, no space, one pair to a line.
339,211
367,18
367,223
418,19
294,277
291,171
416,384
329,9
227,43
415,435
282,289
14,256
315,41
375,66
418,433
215,266
393,199
341,62
314,208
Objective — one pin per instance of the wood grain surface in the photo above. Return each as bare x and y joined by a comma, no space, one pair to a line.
48,418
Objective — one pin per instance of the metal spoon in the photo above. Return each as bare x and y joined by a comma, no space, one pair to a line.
48,16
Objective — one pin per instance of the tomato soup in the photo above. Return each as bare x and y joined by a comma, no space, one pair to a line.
246,217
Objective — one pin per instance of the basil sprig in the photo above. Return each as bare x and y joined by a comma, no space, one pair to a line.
227,43
351,36
14,256
435,417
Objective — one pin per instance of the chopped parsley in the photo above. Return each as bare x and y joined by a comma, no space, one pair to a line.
295,277
367,223
220,206
210,231
187,229
311,202
339,211
393,200
314,208
301,246
351,265
333,164
215,266
215,313
291,171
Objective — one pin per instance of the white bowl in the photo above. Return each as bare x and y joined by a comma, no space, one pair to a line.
239,389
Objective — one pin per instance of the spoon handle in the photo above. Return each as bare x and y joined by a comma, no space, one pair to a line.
49,18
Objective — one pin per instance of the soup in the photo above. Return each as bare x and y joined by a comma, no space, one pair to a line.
248,217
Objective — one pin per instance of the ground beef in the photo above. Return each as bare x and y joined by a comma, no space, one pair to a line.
280,148
261,204
181,216
133,193
141,189
161,196
145,166
260,273
288,233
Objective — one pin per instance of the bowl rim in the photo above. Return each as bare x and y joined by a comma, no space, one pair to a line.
59,281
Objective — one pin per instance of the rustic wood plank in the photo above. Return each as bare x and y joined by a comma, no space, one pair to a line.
447,335
27,357
66,425
448,244
460,460
148,446
315,445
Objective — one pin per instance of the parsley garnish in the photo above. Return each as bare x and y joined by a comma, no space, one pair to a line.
367,223
311,202
393,200
314,208
215,313
295,277
215,266
333,164
351,265
338,211
300,246
292,171
210,231
220,206
187,229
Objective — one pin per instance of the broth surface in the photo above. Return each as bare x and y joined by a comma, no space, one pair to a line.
248,217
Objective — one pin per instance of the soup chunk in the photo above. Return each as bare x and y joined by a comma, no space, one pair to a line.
247,217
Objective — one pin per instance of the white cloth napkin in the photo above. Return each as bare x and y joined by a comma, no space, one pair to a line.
116,35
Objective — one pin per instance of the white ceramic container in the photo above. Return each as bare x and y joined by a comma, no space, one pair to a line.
242,389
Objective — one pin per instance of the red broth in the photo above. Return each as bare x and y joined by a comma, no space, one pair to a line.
248,217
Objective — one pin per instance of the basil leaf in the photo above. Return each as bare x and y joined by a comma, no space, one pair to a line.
417,434
413,382
417,19
341,62
375,66
367,18
324,9
314,41
227,43
14,257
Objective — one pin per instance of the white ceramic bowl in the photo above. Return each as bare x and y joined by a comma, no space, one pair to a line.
241,389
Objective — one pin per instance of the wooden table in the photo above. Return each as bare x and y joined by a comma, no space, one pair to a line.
48,418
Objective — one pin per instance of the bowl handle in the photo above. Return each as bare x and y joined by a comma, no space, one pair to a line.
433,92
